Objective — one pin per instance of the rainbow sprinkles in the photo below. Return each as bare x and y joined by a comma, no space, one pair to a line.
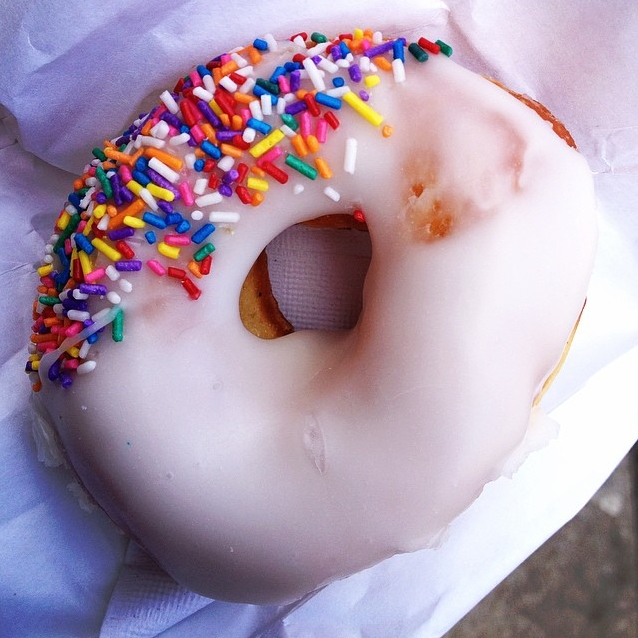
223,132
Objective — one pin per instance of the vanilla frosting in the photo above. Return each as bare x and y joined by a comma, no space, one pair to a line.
257,471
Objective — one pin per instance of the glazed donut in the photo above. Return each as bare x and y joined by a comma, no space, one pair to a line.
257,463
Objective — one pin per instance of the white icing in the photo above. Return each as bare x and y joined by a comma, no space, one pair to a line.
259,470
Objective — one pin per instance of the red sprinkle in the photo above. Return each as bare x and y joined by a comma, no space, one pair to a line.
125,249
205,265
176,273
244,194
332,120
432,47
193,291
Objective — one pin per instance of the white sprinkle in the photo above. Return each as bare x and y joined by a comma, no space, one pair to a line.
78,315
350,156
300,42
377,37
364,64
103,224
165,171
266,104
221,217
228,84
79,295
281,105
249,135
327,65
190,159
272,43
226,163
125,285
180,139
247,71
204,94
298,189
255,110
197,215
318,49
209,83
239,60
58,309
84,349
48,259
209,199
338,91
113,297
160,130
398,70
112,272
169,102
287,131
148,199
200,186
247,86
86,367
331,193
69,208
147,140
314,74
342,63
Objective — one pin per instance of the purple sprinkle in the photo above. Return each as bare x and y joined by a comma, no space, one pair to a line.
230,177
192,142
161,181
101,198
66,380
225,190
296,107
126,195
355,73
54,371
93,289
116,186
165,206
128,265
121,233
171,119
380,49
316,59
225,136
75,304
335,52
364,95
208,113
295,81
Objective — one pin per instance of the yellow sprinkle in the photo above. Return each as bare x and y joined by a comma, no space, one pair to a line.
358,34
85,262
105,249
63,220
257,184
172,252
74,351
159,192
267,143
216,108
371,80
88,226
35,365
367,113
322,168
313,143
43,271
133,222
99,210
134,187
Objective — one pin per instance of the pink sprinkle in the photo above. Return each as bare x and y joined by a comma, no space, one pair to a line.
284,84
245,115
172,131
305,124
195,78
125,173
156,267
73,329
322,131
67,246
177,240
270,156
71,364
197,133
94,275
91,171
161,110
187,194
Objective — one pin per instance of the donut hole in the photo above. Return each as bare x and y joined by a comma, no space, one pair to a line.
310,277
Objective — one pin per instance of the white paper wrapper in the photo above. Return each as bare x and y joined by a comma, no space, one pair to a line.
73,72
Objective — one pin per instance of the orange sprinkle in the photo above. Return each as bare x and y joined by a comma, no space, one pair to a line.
111,210
255,170
237,123
209,132
123,158
299,145
229,149
225,119
193,267
323,168
133,209
313,143
146,129
170,160
386,131
217,75
382,63
257,199
78,184
254,55
229,67
243,98
37,386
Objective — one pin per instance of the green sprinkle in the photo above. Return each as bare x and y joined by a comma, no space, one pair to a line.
446,49
74,222
104,180
117,327
301,167
267,85
203,252
318,38
290,121
99,154
48,300
419,53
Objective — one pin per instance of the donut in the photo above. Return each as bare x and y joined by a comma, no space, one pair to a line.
256,462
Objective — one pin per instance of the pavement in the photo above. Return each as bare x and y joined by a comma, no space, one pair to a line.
582,583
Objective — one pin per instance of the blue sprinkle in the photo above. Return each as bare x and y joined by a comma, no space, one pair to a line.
141,164
259,125
150,236
280,70
75,200
398,50
328,100
172,219
260,44
210,149
154,220
141,178
84,244
202,70
338,82
199,165
183,227
200,235
93,338
258,91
